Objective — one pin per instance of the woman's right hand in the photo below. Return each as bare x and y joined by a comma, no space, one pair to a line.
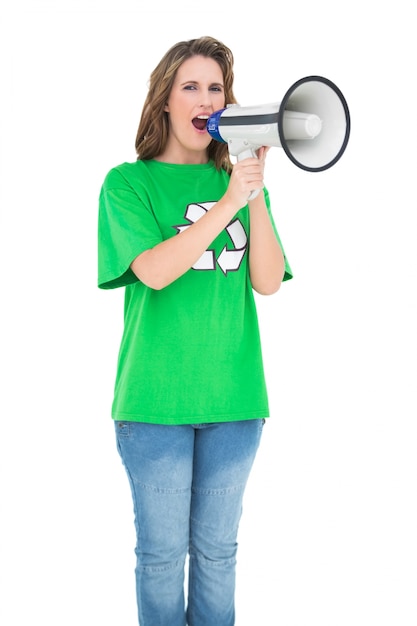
247,175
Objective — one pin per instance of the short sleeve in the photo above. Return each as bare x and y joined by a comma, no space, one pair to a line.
126,228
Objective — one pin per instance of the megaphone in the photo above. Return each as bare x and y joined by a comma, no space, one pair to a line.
311,124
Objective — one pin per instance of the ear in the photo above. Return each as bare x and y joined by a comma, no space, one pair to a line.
166,108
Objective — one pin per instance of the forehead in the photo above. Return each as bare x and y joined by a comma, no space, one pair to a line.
200,69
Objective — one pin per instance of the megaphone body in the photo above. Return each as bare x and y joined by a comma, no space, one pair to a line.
311,124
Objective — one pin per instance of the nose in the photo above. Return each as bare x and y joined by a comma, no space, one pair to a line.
206,100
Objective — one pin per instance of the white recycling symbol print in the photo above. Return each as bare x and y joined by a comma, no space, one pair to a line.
228,260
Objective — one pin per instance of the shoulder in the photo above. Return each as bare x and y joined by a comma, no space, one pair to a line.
123,175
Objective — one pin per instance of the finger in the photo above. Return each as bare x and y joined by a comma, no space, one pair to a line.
262,152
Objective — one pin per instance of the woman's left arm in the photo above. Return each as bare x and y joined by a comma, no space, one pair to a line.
266,259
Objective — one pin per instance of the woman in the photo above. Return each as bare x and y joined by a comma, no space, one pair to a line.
177,231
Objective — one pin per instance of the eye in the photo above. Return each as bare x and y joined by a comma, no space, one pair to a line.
190,87
216,88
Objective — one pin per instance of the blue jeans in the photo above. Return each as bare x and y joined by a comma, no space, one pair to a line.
187,485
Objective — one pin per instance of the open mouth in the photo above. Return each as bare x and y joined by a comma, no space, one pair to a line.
200,122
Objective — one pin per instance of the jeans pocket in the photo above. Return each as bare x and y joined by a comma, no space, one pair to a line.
122,429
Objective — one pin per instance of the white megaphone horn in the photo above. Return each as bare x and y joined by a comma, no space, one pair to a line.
311,124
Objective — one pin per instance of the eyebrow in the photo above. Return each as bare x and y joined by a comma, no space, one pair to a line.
196,82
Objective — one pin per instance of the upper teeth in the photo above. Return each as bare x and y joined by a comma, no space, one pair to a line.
203,117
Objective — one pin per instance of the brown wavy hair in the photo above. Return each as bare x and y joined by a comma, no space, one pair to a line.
152,135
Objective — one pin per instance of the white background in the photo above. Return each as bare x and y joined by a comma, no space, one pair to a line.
328,535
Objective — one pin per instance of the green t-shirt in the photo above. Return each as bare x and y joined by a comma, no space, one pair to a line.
191,352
